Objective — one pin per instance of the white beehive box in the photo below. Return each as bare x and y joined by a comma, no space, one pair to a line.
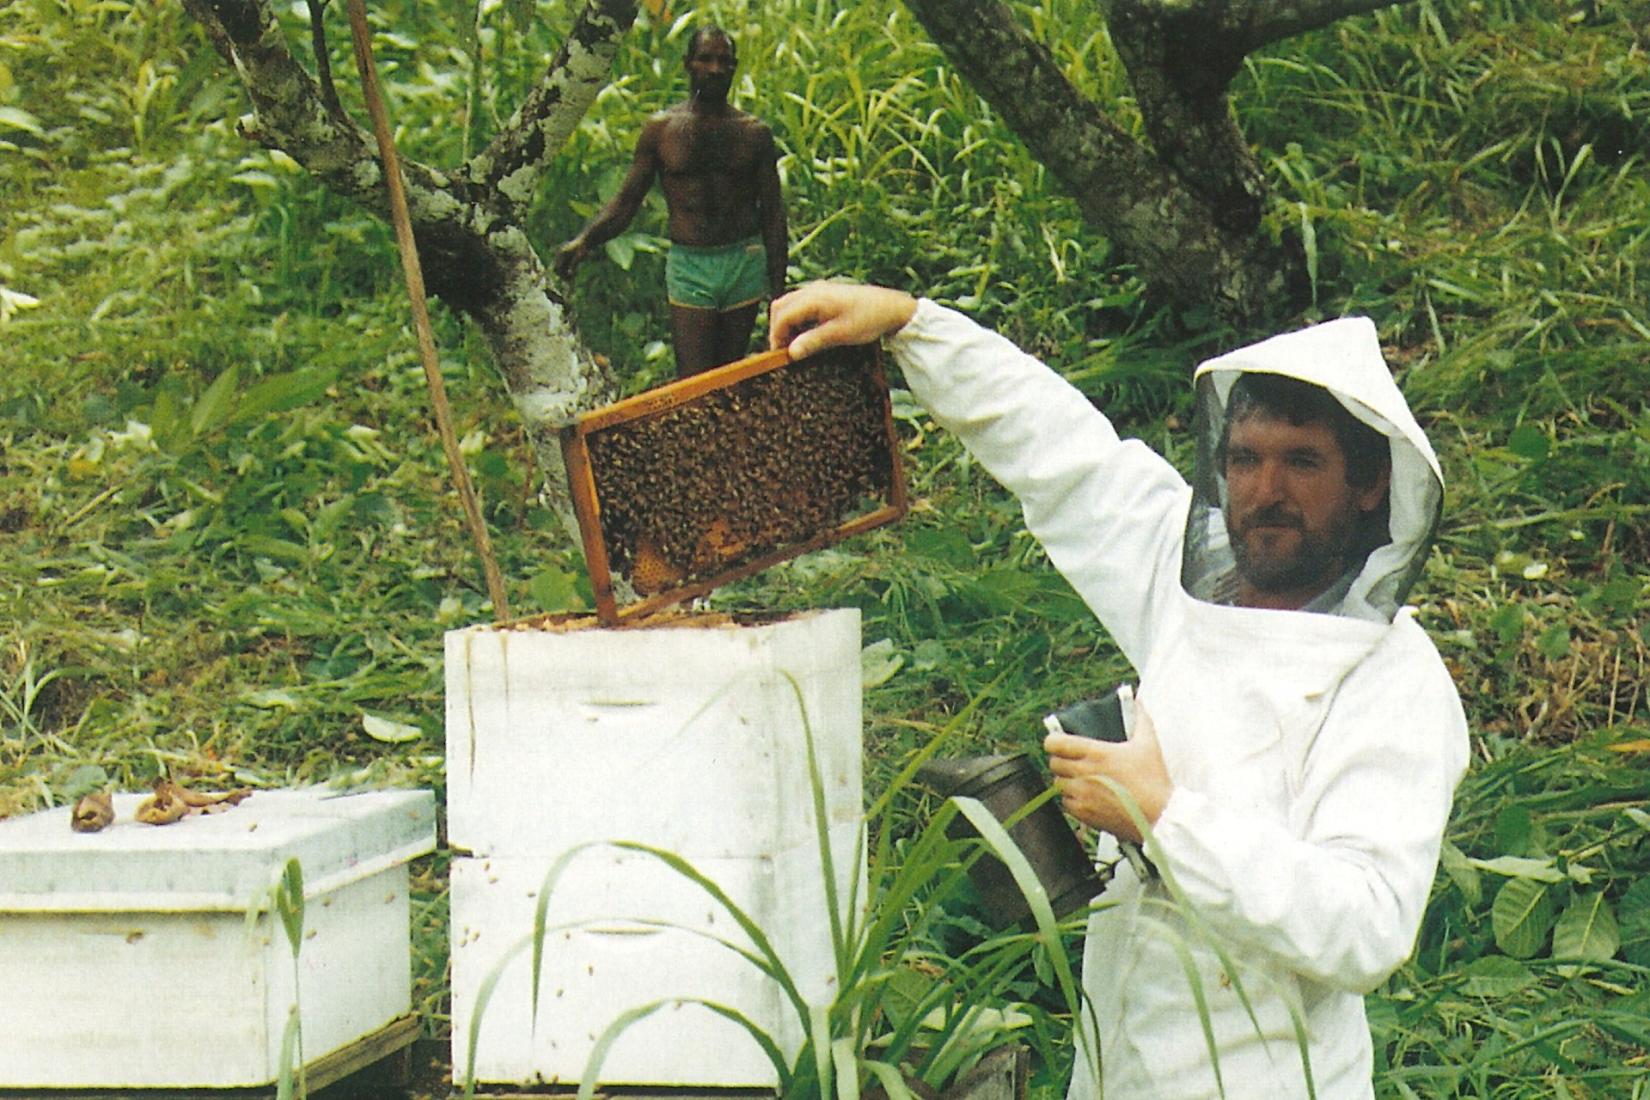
127,958
688,739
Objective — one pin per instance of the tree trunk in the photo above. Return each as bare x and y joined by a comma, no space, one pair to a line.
469,223
1188,209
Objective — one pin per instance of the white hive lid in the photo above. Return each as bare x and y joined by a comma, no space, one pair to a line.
222,861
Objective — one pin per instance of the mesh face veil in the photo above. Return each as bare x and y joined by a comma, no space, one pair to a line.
1388,547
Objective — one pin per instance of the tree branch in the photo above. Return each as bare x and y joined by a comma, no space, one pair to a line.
290,113
1188,219
1015,73
323,59
1180,63
1259,22
514,162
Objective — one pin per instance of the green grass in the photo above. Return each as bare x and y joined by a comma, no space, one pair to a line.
226,536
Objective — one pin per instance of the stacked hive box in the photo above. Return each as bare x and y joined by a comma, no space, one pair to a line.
128,958
689,739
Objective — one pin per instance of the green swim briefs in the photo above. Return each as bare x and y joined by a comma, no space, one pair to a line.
722,277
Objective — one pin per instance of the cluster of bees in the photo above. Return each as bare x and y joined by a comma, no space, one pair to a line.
742,471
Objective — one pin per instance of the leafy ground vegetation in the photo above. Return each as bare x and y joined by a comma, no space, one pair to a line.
228,550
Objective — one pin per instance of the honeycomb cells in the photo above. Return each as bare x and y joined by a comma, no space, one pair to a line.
765,463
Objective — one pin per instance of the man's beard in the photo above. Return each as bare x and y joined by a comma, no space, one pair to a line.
1315,559
712,90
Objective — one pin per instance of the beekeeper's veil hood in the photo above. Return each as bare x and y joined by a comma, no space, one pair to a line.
1343,357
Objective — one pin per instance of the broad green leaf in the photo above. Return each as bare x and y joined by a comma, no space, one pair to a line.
1521,916
1495,976
1587,930
1508,623
15,118
1461,872
271,698
83,780
1513,826
328,518
622,251
1001,590
1554,642
946,545
389,732
1529,441
267,546
928,655
1541,870
284,391
1620,595
166,421
553,590
878,662
906,989
256,180
215,404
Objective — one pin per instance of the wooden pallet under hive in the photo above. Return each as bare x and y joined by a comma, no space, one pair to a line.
712,478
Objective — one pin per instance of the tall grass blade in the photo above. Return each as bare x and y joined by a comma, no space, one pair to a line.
629,1018
822,831
1003,847
541,909
484,994
845,1064
890,1078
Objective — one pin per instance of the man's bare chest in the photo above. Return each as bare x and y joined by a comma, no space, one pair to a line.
699,147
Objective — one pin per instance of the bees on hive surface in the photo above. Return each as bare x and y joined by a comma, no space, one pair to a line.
771,461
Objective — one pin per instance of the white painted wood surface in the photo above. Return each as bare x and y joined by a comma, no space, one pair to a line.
687,739
157,979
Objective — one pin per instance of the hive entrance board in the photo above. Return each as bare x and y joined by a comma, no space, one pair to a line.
714,477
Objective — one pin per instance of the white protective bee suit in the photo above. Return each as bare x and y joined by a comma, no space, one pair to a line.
1314,756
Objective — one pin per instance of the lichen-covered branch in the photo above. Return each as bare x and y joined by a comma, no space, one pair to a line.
513,163
1167,215
290,113
1180,62
473,251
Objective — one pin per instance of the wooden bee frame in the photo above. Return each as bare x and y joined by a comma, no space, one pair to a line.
715,477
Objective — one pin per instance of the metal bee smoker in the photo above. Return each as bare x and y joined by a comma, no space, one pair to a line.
717,476
1006,785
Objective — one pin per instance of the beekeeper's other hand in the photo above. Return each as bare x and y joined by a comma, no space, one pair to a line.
817,316
1082,764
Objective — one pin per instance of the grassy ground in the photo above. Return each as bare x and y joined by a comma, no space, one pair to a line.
226,540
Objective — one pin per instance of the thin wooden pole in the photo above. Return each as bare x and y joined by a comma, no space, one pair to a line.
362,37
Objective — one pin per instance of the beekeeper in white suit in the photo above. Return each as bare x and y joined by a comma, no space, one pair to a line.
1296,740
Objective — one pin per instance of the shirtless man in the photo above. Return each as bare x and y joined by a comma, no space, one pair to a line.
717,166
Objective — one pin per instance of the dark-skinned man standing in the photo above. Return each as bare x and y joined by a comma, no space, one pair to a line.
717,167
